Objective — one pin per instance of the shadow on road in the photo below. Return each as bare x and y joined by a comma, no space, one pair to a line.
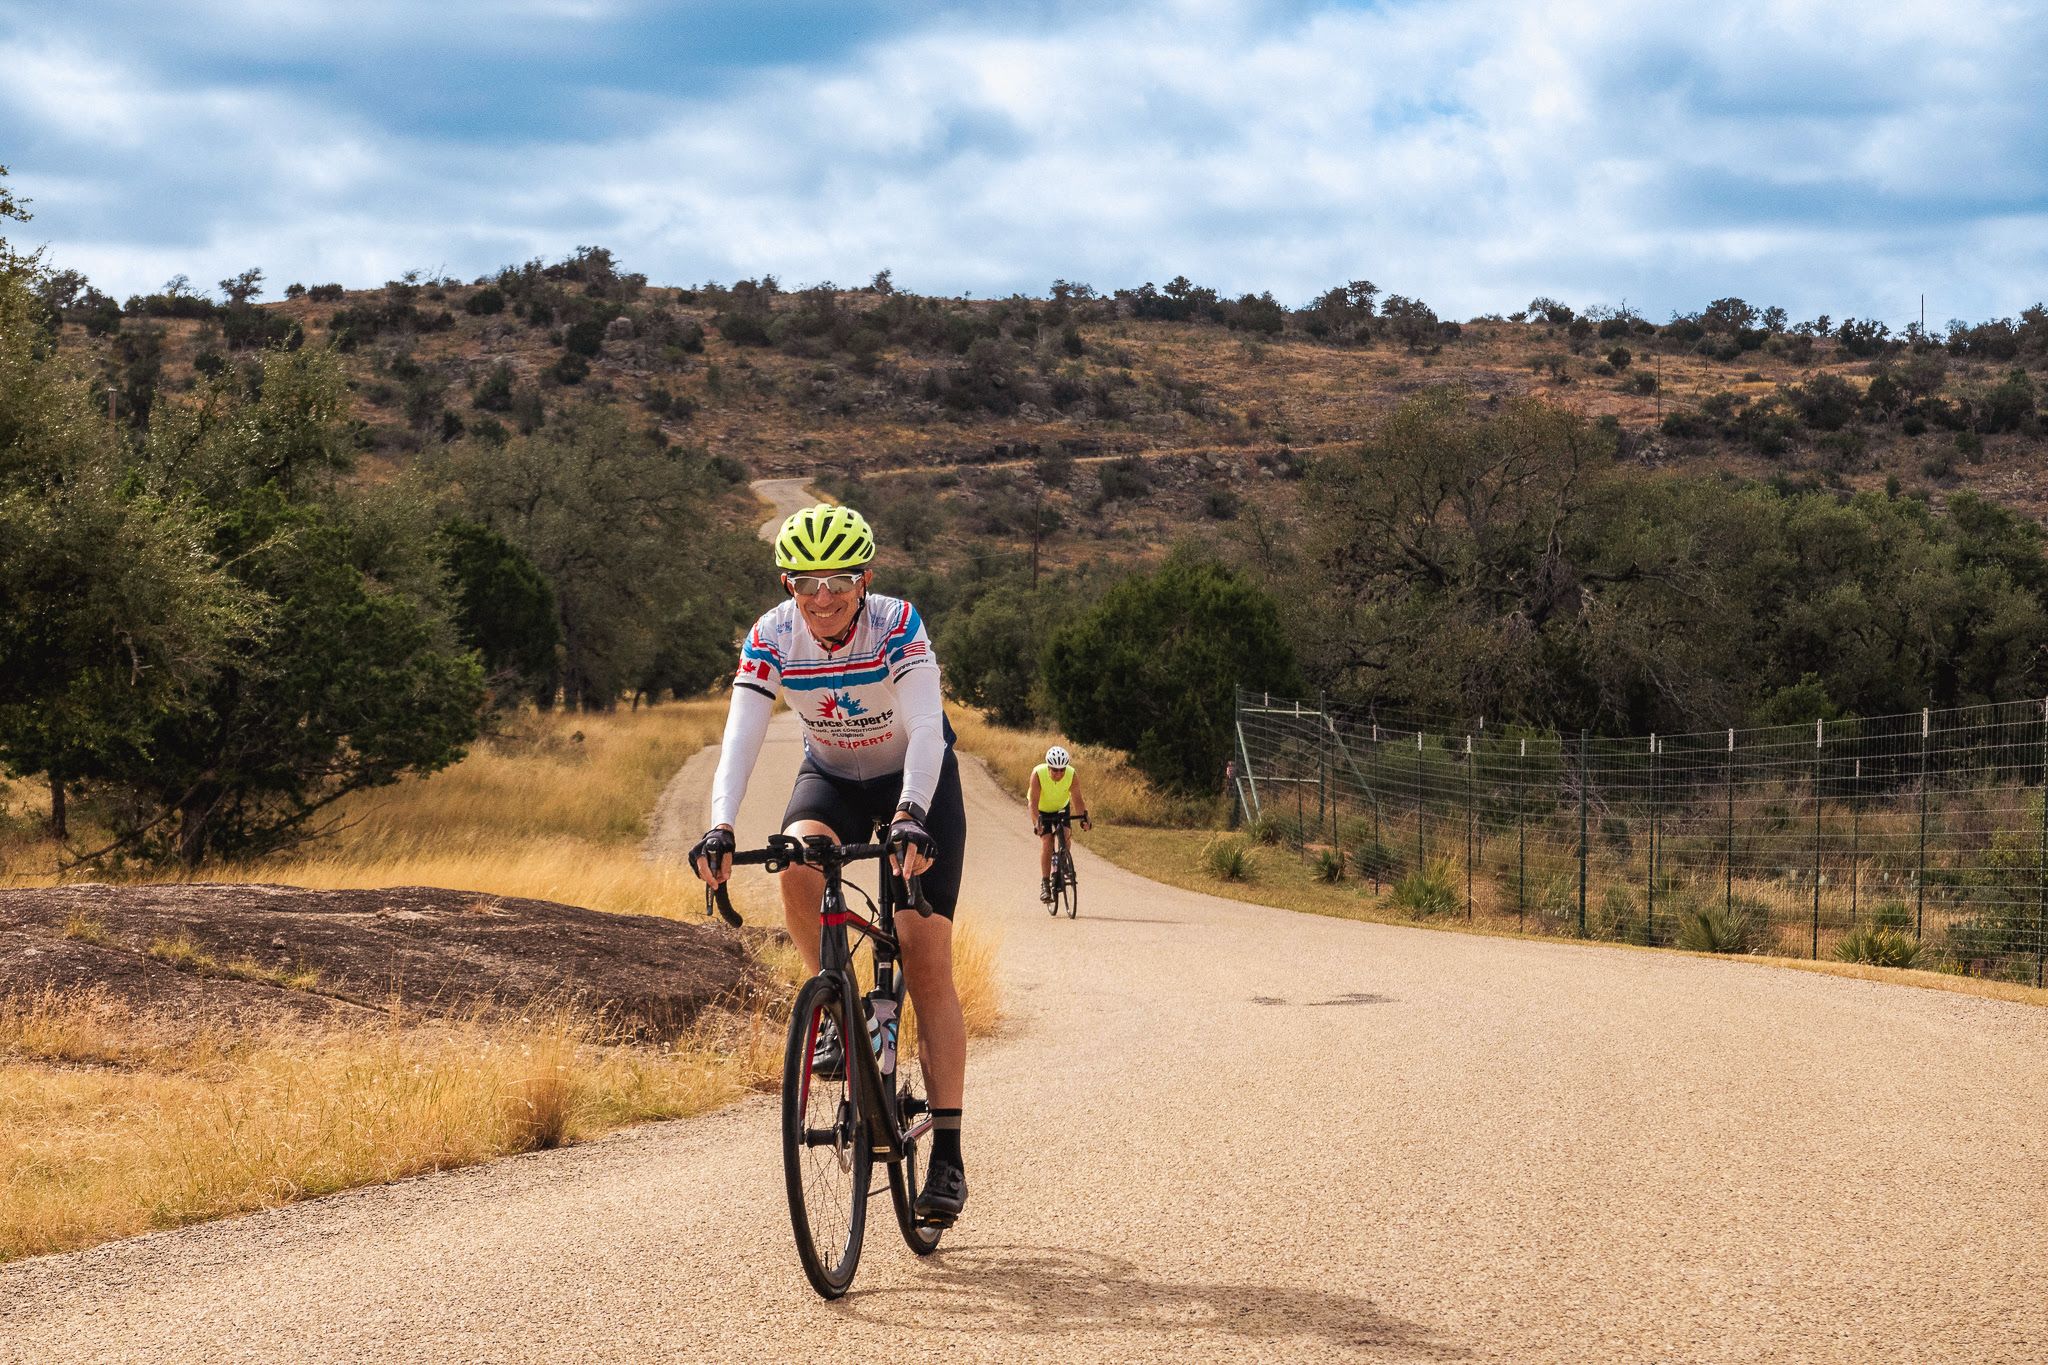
1051,1291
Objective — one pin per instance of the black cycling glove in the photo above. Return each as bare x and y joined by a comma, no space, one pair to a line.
908,831
716,844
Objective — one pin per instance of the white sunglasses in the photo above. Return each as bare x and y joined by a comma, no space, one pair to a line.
807,585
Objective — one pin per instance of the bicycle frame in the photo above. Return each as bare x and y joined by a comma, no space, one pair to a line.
1059,823
887,1136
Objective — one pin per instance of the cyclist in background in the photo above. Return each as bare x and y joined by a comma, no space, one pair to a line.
1055,785
860,674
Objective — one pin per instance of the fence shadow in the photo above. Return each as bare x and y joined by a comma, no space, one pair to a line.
1056,1291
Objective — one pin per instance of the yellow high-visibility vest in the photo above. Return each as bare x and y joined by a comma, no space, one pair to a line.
1053,793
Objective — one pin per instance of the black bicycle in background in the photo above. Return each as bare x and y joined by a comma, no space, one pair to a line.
1066,887
844,1108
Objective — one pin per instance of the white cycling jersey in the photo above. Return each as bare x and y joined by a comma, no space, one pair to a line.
870,708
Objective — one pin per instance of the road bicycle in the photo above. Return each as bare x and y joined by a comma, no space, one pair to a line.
1066,887
838,1120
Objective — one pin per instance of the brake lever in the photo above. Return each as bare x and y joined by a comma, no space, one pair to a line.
716,898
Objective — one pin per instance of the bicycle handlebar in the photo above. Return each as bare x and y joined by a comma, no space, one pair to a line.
815,850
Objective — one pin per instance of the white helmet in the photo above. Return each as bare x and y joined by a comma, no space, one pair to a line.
1056,757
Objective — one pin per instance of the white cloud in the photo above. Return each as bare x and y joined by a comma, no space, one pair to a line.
1825,156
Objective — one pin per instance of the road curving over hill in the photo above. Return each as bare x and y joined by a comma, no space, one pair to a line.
1220,1131
783,496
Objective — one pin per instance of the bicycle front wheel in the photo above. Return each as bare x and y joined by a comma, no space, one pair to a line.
825,1159
1069,894
913,1108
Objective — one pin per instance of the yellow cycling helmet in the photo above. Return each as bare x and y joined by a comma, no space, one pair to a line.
824,537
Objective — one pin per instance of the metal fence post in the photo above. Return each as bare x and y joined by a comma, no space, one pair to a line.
1251,783
2041,877
1469,760
1379,848
1522,833
1650,874
1728,856
1920,872
1582,833
1819,729
1421,849
1855,839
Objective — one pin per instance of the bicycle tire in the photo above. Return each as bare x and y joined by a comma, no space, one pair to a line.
826,1164
906,1177
1070,885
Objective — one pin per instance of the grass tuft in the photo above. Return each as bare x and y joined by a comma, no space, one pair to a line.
1227,858
1430,891
1715,928
181,951
85,927
1329,866
1879,945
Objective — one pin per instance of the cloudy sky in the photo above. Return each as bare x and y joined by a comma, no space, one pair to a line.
1828,157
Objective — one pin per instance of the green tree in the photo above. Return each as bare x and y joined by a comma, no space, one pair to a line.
353,676
1153,667
111,613
505,609
992,646
1492,561
626,531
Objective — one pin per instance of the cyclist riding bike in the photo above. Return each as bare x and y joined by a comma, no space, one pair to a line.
1055,785
860,674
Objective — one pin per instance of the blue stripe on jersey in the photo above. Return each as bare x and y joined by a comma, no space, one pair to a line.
842,678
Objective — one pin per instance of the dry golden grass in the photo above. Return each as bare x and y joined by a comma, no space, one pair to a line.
553,807
1116,792
113,1123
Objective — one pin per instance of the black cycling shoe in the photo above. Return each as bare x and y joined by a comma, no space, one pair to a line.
828,1058
943,1196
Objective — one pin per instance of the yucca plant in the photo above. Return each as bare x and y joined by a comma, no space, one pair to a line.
1879,946
1430,891
1329,866
1228,859
1716,928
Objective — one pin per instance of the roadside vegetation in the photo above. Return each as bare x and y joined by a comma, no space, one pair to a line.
115,1121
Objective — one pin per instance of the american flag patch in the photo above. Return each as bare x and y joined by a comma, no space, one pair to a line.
915,650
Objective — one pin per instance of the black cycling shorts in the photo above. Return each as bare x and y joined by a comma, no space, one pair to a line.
854,808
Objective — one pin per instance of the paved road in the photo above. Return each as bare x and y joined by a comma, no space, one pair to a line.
785,496
1218,1131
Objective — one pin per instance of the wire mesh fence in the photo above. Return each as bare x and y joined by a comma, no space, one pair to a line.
1908,840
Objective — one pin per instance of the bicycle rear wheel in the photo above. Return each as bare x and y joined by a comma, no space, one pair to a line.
906,1177
825,1159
